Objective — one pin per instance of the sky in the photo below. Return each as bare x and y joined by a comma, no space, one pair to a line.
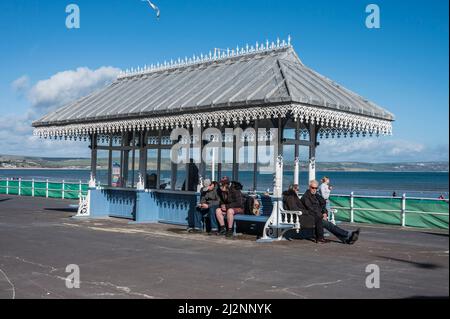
402,66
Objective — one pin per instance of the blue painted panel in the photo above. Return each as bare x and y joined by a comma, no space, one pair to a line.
122,203
175,207
113,203
99,205
147,210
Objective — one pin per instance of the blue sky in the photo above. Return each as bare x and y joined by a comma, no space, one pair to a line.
403,66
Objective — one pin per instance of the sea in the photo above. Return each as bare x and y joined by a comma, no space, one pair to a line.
413,184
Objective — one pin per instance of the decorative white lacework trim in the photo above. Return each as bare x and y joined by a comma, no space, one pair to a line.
331,121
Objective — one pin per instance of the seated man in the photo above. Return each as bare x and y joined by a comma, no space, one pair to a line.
209,201
316,206
234,205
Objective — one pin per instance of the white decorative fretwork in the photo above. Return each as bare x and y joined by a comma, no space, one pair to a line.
281,220
334,121
84,208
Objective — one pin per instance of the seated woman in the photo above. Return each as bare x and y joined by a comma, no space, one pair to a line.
233,205
291,202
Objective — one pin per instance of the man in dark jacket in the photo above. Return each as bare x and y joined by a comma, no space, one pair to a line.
233,206
314,203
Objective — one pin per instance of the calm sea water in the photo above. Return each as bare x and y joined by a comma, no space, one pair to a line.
430,185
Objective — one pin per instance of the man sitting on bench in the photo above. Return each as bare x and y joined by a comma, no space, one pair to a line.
315,205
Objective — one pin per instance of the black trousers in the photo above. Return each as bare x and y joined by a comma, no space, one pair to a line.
322,224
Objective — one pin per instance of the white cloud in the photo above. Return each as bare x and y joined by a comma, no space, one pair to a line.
21,84
383,149
65,87
45,96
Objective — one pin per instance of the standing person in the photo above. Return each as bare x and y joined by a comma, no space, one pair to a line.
325,191
314,203
234,206
194,177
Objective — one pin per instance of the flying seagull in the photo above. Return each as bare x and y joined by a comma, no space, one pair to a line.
154,7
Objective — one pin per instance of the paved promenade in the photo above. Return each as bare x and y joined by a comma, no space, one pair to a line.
38,239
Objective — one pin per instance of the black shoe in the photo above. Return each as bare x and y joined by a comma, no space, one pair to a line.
230,233
223,232
354,237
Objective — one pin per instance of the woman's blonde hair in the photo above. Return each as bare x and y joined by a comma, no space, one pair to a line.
325,179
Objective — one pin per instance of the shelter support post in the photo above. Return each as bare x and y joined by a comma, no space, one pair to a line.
93,147
142,160
312,151
297,155
255,165
235,157
110,160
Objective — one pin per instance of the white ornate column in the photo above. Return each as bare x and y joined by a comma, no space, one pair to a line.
312,169
271,230
213,165
278,183
140,186
297,171
92,181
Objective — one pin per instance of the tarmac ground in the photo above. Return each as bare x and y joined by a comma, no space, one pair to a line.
39,239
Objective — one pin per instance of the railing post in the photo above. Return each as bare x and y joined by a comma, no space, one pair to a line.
20,186
32,187
404,210
63,187
7,186
80,193
46,188
352,207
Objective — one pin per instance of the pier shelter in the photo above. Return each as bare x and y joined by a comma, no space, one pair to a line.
261,96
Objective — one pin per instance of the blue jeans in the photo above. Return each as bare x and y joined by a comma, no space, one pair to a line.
196,219
213,218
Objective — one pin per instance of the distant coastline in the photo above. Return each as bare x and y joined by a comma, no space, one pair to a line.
8,162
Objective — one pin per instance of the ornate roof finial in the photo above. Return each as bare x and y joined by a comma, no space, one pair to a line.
216,55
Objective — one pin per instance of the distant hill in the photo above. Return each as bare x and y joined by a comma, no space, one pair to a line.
11,162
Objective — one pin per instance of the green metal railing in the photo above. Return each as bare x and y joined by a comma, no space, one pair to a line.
48,189
403,211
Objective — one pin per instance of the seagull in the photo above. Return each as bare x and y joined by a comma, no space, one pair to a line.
154,7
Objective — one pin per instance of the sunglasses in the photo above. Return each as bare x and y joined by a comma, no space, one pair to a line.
314,187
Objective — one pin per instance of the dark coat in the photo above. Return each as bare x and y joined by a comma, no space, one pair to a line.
210,197
292,202
314,203
235,199
223,197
